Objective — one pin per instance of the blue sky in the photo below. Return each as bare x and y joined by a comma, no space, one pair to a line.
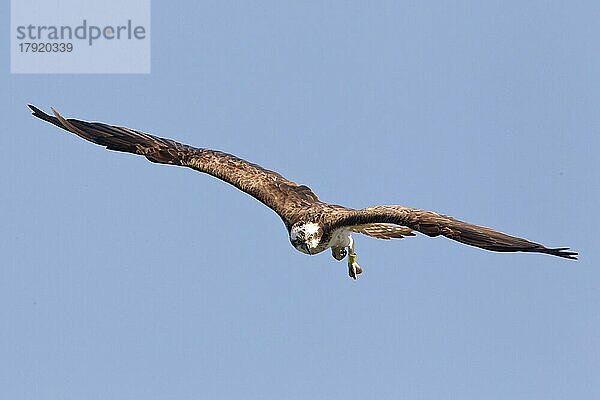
123,279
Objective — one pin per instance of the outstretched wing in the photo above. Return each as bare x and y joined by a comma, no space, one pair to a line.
433,224
283,196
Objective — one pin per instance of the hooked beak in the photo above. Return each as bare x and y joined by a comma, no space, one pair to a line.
307,249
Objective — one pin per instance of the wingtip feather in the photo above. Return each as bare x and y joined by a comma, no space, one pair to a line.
563,252
35,111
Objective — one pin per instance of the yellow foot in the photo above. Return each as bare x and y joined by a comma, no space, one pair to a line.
353,267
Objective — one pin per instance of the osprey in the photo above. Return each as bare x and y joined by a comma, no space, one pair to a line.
312,225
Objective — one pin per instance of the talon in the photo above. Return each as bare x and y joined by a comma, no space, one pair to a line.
338,253
353,267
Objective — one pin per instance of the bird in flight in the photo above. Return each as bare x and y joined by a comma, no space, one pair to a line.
313,225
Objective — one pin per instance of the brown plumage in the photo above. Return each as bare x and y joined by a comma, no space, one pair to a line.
383,231
296,204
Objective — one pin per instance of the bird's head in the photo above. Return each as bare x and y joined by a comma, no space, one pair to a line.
306,237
